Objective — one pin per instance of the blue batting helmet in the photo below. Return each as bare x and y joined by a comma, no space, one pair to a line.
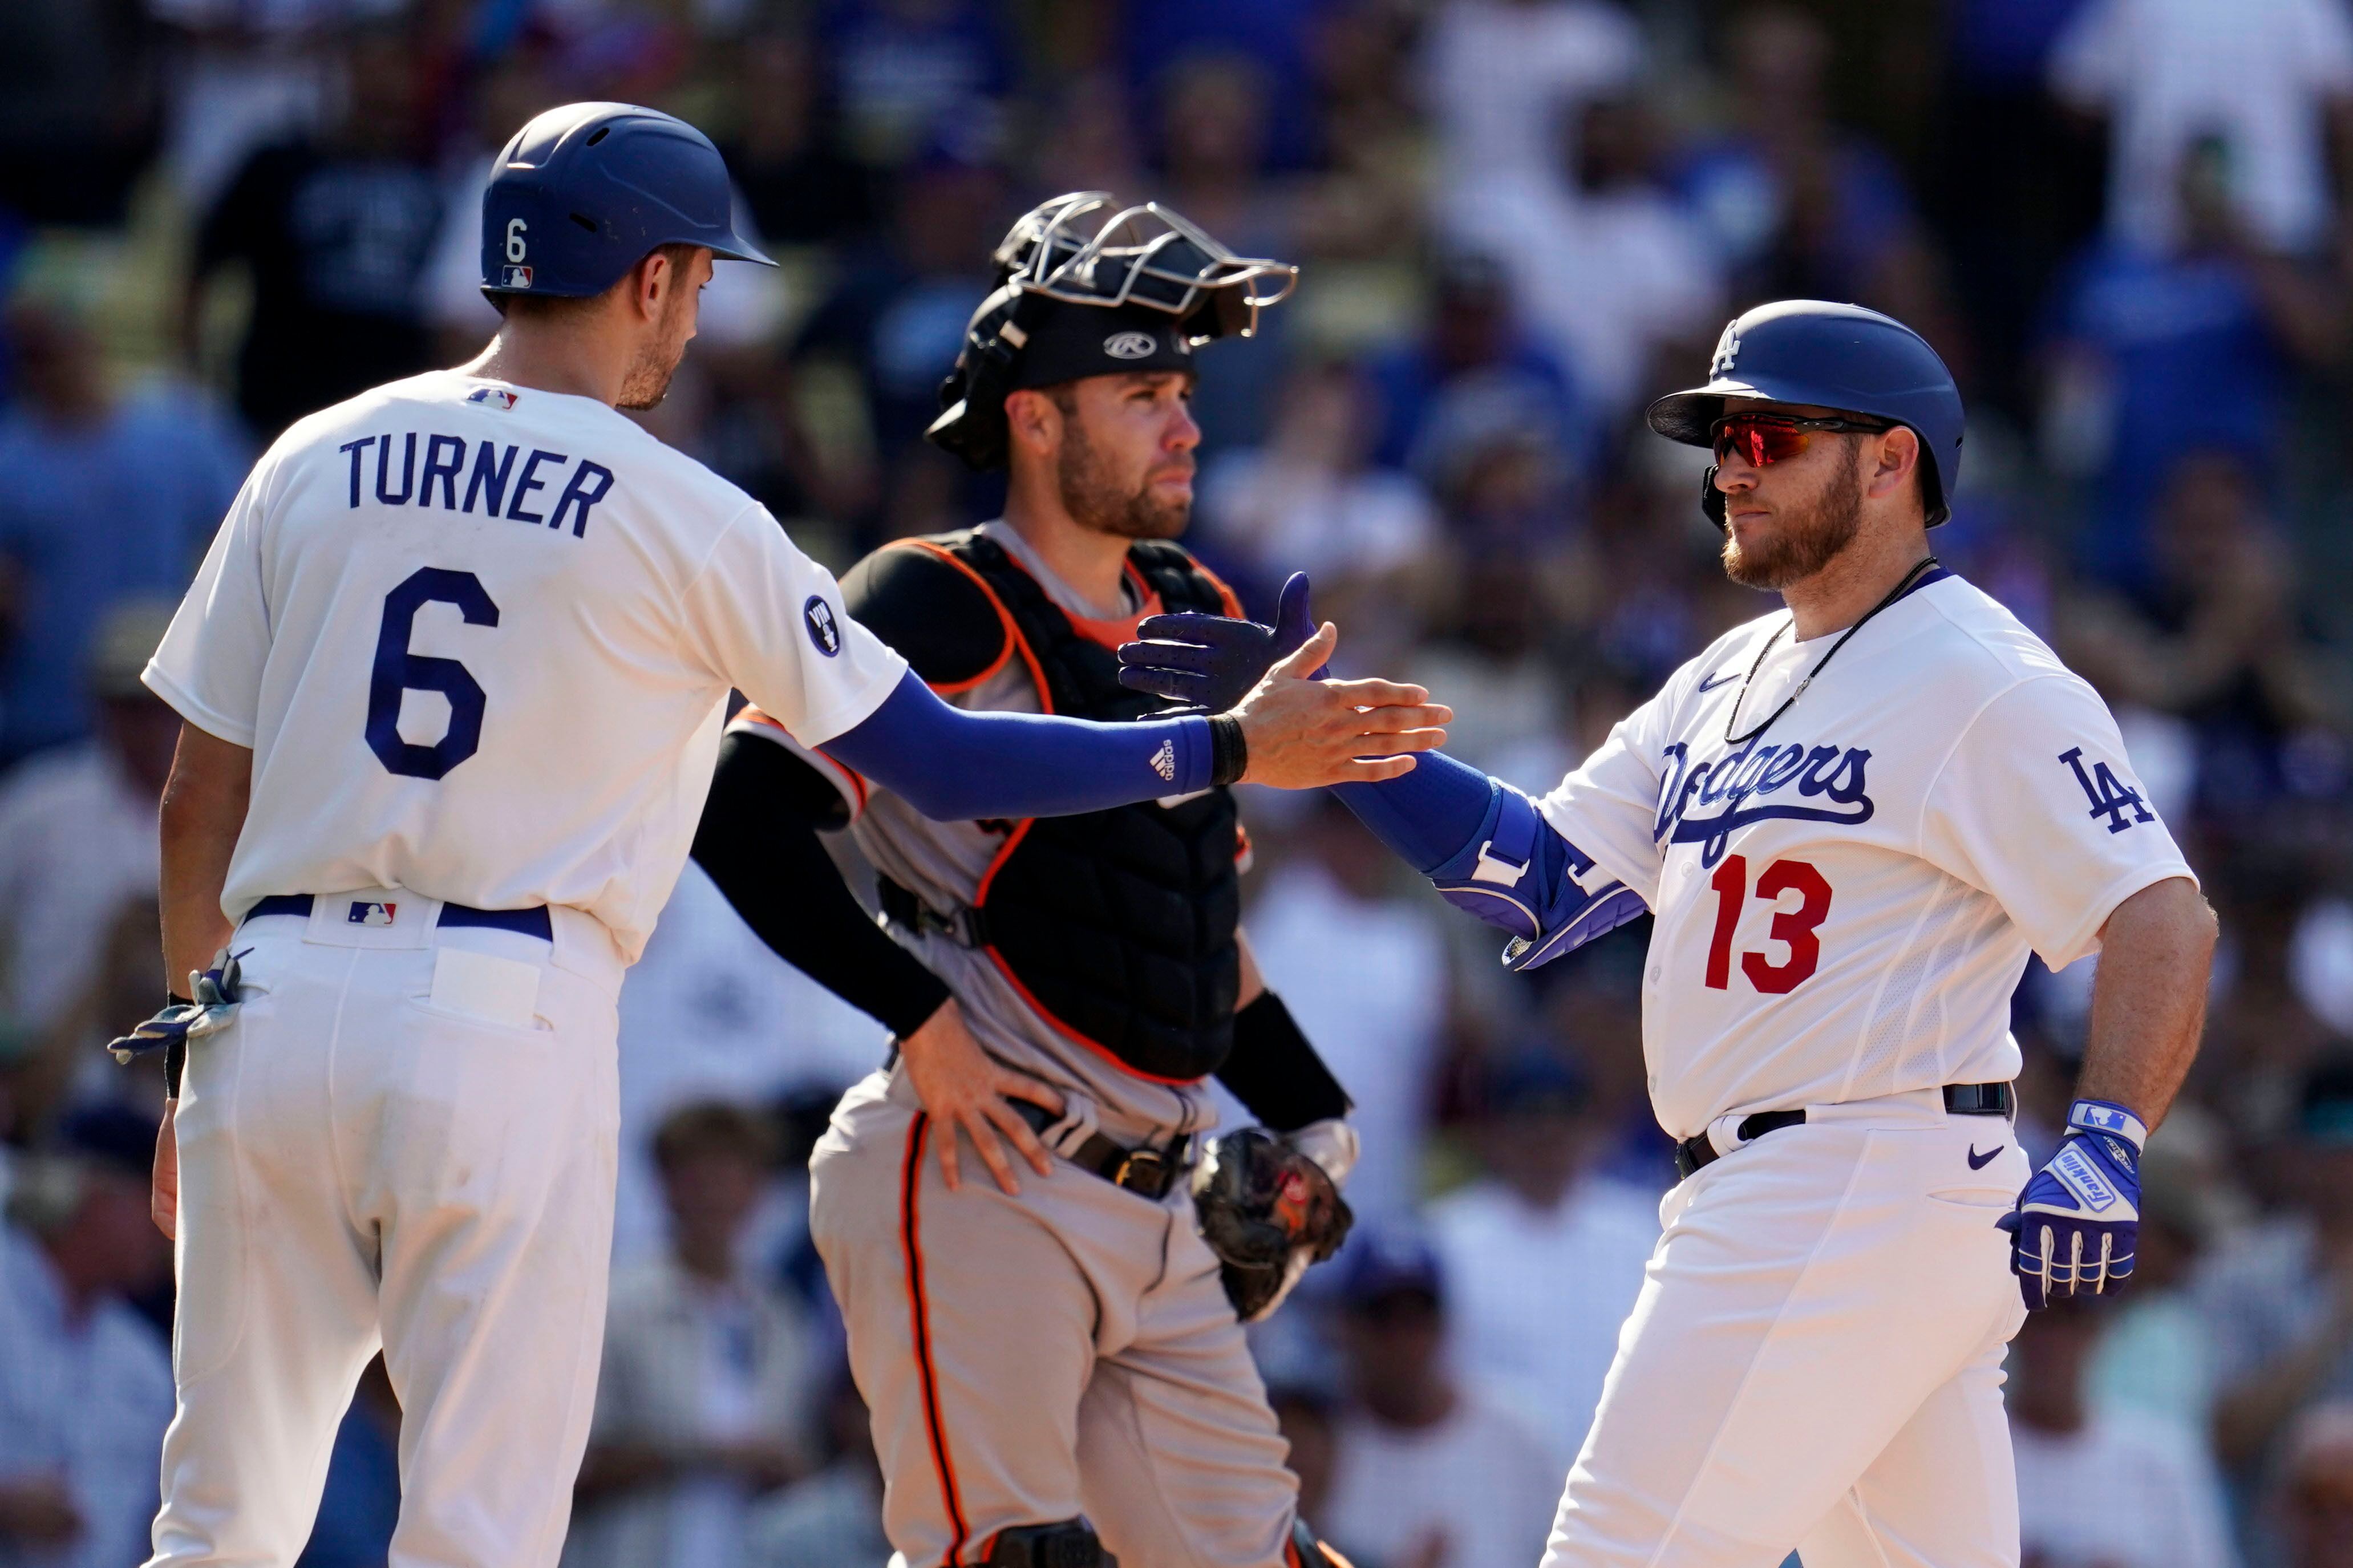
1840,357
586,192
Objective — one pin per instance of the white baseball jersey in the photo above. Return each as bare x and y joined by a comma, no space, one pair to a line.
479,637
1846,902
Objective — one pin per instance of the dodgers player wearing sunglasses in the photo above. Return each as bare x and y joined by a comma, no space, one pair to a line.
1851,820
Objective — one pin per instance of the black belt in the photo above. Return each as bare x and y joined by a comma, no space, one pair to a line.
533,922
903,907
1960,1100
1149,1172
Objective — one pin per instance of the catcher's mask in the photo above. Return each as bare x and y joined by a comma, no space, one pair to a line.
1088,288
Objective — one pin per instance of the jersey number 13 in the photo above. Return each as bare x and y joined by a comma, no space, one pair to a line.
1792,928
397,670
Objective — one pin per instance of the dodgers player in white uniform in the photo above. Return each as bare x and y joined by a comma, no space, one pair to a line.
453,675
1852,819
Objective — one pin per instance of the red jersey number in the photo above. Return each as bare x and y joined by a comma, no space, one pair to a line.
1792,928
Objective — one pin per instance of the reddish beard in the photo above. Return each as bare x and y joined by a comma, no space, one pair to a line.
1807,536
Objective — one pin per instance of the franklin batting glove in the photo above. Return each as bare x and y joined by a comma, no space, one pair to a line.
1212,662
2074,1228
214,1002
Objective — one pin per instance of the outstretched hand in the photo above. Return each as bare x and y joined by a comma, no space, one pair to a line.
1211,662
1304,733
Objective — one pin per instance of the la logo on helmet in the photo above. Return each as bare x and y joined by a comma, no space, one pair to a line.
1727,349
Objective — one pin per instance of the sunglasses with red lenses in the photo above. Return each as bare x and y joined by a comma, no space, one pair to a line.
1762,439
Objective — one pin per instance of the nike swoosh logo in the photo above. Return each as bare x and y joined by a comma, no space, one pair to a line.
1712,681
1979,1162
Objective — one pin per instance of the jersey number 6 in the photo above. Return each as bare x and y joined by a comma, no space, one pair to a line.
1793,928
397,670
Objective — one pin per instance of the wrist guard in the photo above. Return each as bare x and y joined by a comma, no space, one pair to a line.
1518,873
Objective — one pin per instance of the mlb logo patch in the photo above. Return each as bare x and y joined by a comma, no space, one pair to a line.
367,914
491,396
517,277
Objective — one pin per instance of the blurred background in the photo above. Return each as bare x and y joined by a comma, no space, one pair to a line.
2125,223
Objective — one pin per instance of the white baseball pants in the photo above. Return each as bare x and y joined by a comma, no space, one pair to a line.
405,1140
1815,1358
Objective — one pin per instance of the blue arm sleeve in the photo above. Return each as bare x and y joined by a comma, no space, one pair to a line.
1425,816
955,766
1488,850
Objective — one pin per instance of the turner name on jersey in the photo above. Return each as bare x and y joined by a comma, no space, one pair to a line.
492,480
1845,900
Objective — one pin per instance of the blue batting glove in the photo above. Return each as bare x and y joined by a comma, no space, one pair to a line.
215,991
1211,662
2075,1225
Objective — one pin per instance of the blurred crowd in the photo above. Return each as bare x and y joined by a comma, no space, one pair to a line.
2126,224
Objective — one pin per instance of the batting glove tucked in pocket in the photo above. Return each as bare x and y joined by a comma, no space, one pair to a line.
216,993
2076,1223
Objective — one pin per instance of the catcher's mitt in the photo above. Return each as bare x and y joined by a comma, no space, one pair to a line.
1267,1211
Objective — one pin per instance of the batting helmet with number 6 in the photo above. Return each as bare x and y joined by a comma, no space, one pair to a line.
586,192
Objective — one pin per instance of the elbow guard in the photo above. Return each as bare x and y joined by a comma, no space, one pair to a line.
1518,873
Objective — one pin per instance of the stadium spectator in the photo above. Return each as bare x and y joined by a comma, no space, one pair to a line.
1157,43
1308,501
2214,637
899,69
2155,1357
1491,652
2031,196
1426,1471
85,1380
1327,916
710,1013
77,827
2262,82
2316,1499
1609,265
800,187
111,496
1306,1415
1215,111
1497,74
707,1391
245,76
2281,1301
1798,206
1476,356
2098,1486
80,101
1543,1256
2177,349
893,322
336,230
831,1518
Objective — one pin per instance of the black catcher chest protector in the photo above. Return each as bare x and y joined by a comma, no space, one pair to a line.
1119,926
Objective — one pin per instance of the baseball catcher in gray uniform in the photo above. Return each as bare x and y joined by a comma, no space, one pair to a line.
1054,1360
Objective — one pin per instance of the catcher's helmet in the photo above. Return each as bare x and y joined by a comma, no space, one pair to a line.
586,192
1080,293
1840,357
